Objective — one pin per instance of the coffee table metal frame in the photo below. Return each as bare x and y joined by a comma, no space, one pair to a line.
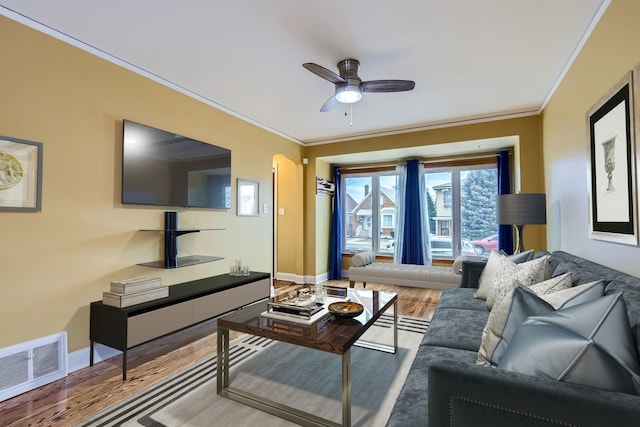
282,410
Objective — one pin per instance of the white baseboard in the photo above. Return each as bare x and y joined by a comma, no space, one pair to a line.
306,279
80,358
290,277
320,278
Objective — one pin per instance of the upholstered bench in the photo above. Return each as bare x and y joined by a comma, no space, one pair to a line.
364,270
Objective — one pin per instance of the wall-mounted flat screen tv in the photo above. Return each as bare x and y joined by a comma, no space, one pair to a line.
164,169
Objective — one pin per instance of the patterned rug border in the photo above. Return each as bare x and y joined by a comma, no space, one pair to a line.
145,403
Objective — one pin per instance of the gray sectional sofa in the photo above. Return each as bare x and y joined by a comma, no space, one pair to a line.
445,386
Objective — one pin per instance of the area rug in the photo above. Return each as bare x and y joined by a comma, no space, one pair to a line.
309,380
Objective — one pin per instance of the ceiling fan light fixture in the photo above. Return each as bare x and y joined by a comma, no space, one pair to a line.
348,94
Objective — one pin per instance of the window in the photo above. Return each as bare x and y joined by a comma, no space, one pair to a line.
387,220
446,196
460,200
462,208
369,211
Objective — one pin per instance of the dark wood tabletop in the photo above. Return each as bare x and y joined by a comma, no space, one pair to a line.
330,333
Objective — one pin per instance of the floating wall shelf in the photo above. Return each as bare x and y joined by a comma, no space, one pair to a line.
171,234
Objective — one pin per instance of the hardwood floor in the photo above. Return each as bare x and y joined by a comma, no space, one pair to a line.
89,390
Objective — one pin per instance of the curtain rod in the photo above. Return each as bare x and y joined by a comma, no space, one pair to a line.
426,161
376,166
454,159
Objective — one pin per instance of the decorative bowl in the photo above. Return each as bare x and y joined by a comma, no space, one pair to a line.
346,309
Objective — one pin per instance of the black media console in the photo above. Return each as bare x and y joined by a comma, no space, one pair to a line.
187,304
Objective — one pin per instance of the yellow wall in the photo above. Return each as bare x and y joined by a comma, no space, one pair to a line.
530,170
611,51
323,210
53,263
290,240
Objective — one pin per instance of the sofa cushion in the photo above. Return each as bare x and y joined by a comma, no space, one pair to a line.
580,275
521,257
457,263
456,328
575,295
461,298
588,344
524,303
554,284
363,258
495,263
525,274
493,330
410,408
631,295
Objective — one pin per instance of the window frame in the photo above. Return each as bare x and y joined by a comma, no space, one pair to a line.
376,222
478,161
456,167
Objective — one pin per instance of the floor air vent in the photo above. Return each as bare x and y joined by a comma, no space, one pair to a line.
32,364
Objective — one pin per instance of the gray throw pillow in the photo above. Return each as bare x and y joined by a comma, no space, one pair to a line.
588,344
523,302
521,257
508,315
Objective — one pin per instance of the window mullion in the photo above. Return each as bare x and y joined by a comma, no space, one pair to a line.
375,212
457,229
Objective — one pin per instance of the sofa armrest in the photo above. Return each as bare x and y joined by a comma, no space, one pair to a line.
471,271
472,395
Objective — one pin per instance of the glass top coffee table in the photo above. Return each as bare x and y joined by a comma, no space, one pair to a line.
329,333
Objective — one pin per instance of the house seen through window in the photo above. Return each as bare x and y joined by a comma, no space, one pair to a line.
369,211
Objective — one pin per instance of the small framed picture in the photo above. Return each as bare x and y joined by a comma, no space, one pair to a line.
20,175
248,197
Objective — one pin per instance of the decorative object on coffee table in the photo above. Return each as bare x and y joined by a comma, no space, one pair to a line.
346,309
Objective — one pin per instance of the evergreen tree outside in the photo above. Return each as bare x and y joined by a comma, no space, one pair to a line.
431,209
478,204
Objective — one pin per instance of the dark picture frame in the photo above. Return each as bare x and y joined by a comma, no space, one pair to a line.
612,180
20,175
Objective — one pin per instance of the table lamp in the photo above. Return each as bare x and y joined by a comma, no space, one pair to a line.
519,210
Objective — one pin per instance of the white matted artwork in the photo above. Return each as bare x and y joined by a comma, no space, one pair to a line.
20,175
612,183
248,197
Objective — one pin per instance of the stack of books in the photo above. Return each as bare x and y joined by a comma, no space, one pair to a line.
137,290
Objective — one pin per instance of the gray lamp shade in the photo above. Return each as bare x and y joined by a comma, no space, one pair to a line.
521,209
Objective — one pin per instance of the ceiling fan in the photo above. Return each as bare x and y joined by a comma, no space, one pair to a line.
349,86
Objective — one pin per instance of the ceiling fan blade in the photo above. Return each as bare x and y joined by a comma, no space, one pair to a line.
328,106
324,73
388,85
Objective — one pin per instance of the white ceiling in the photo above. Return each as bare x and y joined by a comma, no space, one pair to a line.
471,59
